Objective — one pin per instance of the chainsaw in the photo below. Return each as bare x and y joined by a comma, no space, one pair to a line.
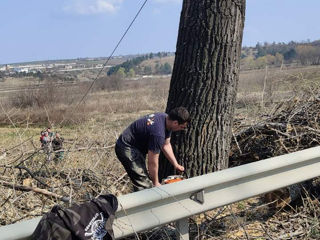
172,179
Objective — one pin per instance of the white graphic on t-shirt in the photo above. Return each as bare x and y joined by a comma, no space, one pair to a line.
150,120
97,227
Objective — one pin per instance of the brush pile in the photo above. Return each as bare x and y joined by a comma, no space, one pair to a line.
293,127
33,181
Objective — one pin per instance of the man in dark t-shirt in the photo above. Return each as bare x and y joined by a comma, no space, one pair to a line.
150,135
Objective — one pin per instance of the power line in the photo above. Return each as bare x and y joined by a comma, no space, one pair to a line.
124,34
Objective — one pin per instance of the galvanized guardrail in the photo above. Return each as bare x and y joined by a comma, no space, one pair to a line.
176,202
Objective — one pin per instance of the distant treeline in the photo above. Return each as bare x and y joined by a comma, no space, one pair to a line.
131,66
304,53
260,56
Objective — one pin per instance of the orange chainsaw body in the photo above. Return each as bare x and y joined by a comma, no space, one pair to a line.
173,179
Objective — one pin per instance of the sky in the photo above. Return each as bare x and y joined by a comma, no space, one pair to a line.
36,30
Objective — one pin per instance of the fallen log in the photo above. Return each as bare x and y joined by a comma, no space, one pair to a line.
34,189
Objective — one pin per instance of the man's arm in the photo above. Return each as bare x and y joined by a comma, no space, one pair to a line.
153,167
168,152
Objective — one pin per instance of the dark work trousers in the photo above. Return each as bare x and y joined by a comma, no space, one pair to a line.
134,162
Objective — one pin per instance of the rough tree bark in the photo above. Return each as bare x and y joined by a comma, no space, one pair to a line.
204,80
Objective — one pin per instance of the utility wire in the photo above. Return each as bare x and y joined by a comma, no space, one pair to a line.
124,34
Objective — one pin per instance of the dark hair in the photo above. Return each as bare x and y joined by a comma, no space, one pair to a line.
179,114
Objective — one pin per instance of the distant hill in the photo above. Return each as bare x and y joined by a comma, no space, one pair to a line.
304,53
97,60
152,63
259,56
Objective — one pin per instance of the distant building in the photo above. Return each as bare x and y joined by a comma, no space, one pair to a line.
21,70
67,67
8,67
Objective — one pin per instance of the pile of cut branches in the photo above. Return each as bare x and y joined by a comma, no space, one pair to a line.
295,127
32,181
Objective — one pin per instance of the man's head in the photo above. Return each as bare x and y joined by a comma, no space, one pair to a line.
178,119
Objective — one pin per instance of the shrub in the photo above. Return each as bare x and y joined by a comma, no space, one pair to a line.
110,83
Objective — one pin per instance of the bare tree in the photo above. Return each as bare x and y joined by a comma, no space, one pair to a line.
204,80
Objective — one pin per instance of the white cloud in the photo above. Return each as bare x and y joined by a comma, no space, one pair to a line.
90,7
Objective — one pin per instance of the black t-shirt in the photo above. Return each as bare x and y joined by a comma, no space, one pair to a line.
147,133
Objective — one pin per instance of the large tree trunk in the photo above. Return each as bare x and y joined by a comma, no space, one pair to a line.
204,80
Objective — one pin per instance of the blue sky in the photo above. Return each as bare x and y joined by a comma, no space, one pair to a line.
46,30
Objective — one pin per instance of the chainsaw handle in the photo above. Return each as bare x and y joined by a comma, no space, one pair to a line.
185,174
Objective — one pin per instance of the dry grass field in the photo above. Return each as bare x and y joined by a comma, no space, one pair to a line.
153,62
89,166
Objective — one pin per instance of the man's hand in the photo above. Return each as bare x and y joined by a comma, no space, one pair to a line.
168,152
157,184
179,168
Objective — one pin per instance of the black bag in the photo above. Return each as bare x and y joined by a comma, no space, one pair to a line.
91,220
